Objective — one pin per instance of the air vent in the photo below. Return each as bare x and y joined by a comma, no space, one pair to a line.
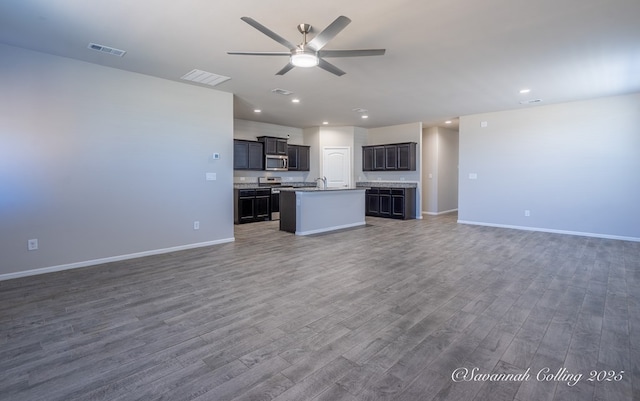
283,92
530,101
106,49
203,77
359,110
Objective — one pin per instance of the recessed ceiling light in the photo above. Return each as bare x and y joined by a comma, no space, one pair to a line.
295,100
257,111
525,90
365,116
325,122
448,122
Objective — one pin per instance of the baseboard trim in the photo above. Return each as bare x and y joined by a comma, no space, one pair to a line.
334,228
551,230
439,213
94,262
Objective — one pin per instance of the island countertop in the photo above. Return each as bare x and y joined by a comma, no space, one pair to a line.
305,211
316,189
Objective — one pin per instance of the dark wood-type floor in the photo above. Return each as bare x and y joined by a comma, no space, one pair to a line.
384,312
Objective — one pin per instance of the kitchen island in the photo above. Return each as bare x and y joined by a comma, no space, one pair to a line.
305,211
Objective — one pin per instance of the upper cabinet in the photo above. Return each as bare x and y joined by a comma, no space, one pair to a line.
273,145
299,157
247,155
389,157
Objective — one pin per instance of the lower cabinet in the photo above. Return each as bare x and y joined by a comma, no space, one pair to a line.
252,205
396,203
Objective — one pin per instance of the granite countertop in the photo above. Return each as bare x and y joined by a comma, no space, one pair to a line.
311,185
255,185
386,184
316,189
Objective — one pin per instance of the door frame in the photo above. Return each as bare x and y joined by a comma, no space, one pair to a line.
349,174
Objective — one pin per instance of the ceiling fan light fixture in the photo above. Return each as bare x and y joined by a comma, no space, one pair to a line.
304,59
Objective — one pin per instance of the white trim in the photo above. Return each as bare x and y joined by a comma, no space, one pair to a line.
325,229
439,213
118,258
551,230
349,172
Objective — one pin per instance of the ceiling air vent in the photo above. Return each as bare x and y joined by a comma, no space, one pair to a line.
106,49
530,101
203,77
283,92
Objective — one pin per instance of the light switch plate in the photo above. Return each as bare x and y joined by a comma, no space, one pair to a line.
473,176
211,176
216,156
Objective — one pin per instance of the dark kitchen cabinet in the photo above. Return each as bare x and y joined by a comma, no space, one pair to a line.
273,145
367,158
252,205
406,156
247,155
385,203
391,157
396,203
378,158
299,157
372,197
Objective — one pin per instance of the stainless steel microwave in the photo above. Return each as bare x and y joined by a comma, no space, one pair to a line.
276,163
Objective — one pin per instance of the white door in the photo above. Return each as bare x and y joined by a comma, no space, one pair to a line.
336,166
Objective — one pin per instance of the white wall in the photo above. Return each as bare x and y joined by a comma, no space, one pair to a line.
100,164
575,166
439,170
430,170
448,148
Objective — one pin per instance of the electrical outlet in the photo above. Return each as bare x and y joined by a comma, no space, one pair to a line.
32,244
527,213
196,225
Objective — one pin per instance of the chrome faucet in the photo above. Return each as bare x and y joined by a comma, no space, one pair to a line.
324,182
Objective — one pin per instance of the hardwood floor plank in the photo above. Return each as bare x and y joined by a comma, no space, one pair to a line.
350,315
318,382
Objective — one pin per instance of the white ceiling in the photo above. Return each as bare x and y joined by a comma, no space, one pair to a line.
444,59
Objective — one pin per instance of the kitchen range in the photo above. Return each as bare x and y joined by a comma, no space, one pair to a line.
274,184
261,201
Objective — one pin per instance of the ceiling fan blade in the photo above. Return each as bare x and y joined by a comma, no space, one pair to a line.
260,53
351,53
329,33
325,65
269,32
285,69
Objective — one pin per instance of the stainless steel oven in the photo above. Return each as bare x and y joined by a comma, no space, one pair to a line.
275,183
276,163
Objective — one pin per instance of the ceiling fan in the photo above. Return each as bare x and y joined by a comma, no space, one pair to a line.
309,54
